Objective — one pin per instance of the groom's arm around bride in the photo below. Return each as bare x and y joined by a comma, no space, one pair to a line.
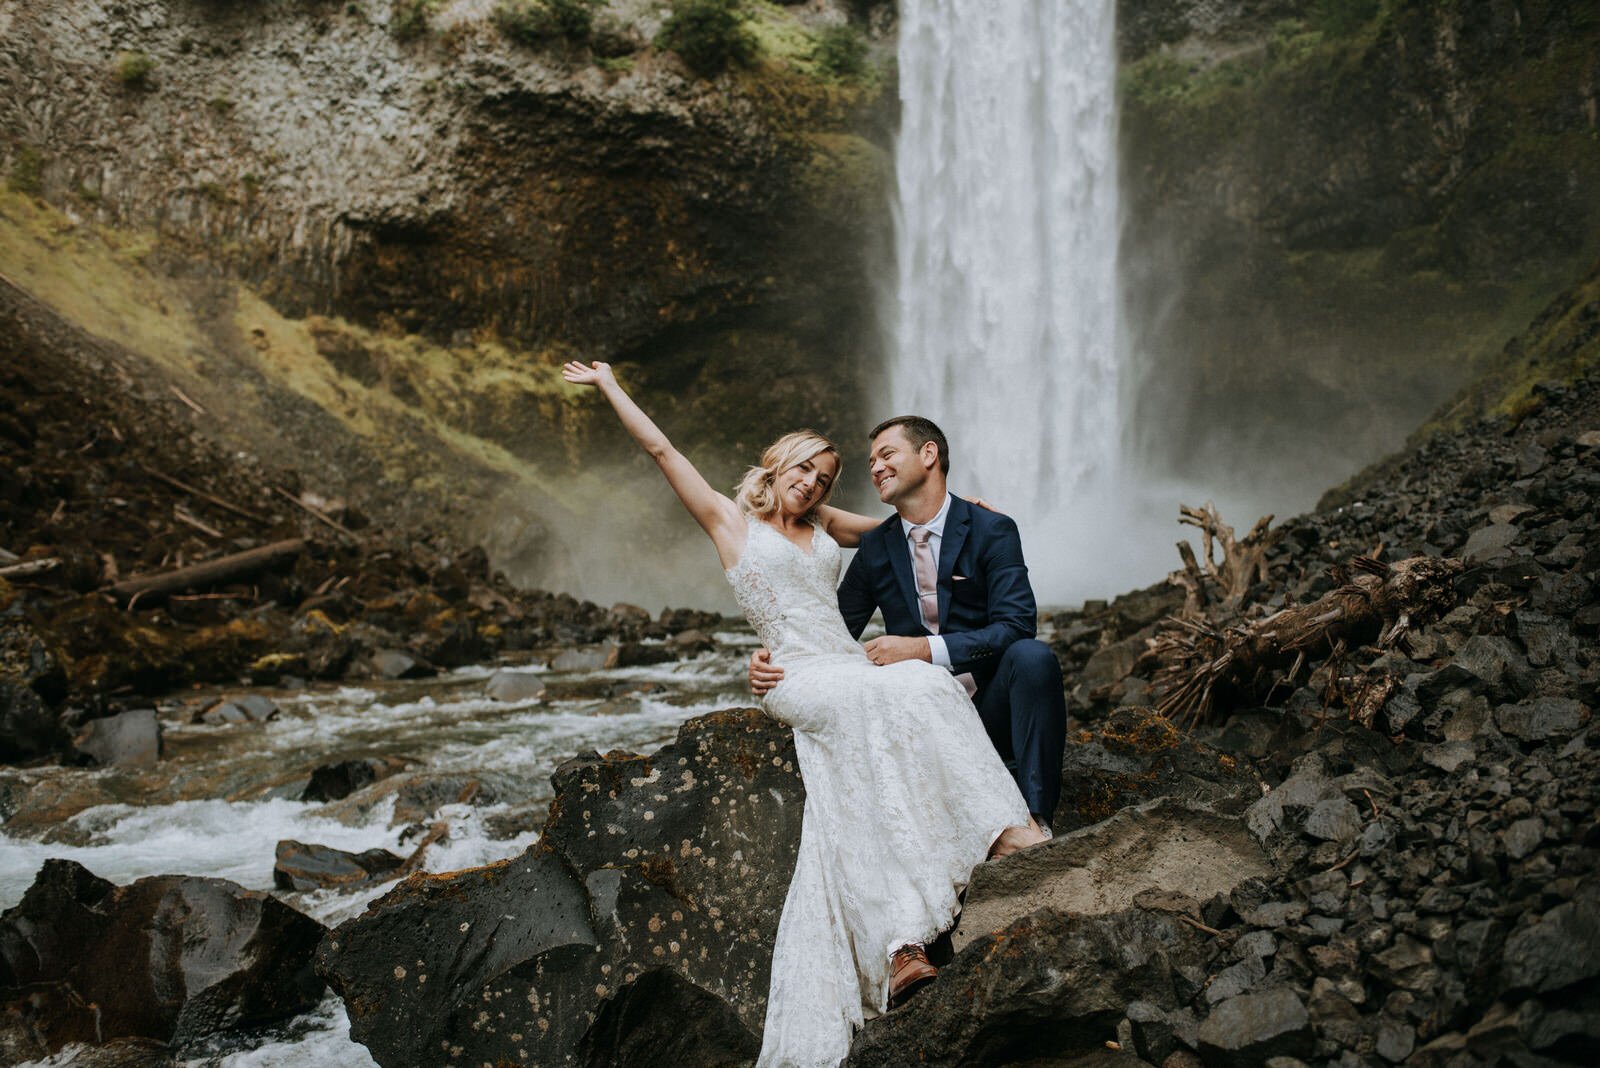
953,588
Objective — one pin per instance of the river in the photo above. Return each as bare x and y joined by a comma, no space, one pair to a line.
224,796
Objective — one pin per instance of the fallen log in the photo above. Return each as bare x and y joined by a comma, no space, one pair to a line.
1200,660
211,573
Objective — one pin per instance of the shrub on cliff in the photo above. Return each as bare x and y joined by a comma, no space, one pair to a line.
27,172
710,35
408,19
132,70
533,22
1341,18
841,51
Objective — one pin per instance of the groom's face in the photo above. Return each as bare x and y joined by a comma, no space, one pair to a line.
897,468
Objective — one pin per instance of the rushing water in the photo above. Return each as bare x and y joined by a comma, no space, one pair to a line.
223,797
1006,307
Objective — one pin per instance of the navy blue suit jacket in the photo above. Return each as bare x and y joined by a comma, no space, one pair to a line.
985,600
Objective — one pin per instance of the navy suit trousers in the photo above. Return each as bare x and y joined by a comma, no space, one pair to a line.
1024,709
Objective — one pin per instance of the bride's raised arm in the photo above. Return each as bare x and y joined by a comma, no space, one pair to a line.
715,512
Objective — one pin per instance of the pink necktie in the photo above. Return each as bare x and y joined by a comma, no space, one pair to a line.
927,573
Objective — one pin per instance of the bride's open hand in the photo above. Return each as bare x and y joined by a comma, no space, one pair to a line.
587,374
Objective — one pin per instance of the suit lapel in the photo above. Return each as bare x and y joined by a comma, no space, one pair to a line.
894,540
957,522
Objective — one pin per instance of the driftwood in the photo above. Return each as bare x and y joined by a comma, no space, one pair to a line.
188,400
211,573
317,513
1243,563
195,491
205,528
30,567
1378,603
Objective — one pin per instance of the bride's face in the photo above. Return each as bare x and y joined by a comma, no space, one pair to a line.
802,486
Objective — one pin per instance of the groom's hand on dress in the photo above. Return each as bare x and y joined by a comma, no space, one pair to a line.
892,648
764,675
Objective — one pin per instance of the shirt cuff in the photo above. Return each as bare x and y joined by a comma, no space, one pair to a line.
936,650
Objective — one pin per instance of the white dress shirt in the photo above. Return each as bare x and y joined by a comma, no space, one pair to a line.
936,649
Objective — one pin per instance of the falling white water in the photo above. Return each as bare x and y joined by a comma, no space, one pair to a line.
1006,311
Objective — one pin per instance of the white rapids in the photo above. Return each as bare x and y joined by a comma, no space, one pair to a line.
442,726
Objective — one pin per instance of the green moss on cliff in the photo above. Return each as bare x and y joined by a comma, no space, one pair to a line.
1362,203
1561,345
1292,55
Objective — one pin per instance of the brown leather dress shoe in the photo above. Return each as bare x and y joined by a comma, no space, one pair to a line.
909,971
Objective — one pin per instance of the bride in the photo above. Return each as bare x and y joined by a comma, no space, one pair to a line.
904,791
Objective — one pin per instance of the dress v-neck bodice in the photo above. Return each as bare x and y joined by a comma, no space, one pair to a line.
789,595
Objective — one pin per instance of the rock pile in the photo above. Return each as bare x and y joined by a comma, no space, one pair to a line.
1435,885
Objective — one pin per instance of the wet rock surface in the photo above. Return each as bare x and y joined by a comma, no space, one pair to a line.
302,866
657,883
169,959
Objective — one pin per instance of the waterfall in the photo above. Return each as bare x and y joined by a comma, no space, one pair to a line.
1005,316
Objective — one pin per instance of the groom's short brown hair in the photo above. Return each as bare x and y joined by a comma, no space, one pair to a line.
920,431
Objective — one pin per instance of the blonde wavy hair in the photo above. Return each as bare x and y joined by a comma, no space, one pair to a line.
756,494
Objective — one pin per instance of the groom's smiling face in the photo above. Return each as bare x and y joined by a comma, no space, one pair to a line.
897,468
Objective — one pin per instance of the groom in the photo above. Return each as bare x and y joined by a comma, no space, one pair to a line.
954,590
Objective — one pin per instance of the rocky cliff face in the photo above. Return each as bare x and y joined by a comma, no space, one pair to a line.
1338,212
456,214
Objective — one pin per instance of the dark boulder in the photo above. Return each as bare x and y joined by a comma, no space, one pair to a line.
31,683
642,654
1541,718
660,1020
1558,949
1050,984
169,958
300,866
332,782
128,739
28,727
674,862
692,642
1251,1029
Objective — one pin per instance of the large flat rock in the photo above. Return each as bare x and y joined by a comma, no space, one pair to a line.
1164,845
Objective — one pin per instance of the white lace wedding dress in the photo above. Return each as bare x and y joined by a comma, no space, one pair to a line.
904,796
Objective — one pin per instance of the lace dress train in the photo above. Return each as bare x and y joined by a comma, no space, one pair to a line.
904,796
